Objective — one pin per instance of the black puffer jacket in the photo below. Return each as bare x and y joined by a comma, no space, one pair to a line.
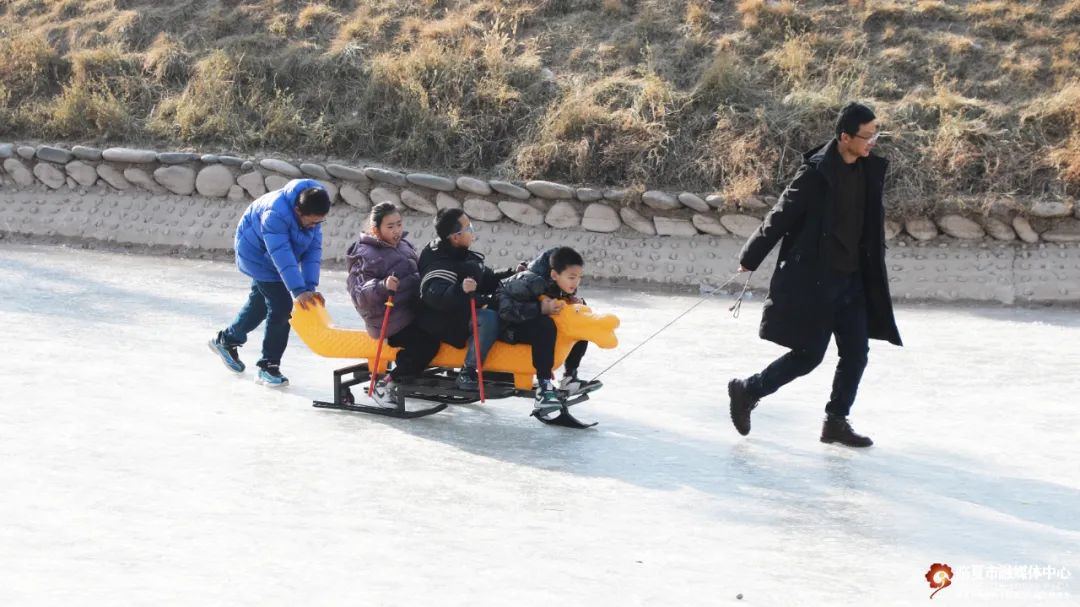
445,309
519,295
541,264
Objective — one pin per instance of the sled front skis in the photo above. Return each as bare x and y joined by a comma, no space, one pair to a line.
438,386
564,418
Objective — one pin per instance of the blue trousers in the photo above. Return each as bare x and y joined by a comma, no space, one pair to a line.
487,322
269,301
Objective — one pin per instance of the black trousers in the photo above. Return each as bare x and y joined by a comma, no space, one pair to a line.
573,359
418,347
540,334
849,326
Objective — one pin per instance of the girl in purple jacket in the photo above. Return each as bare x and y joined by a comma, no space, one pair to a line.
381,262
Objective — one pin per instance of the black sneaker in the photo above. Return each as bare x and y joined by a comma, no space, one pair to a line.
742,403
547,394
836,429
467,380
270,375
227,352
547,398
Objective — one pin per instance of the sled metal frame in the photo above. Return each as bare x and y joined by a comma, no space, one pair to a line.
344,400
437,385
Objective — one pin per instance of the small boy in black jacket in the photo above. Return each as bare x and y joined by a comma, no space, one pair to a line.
527,301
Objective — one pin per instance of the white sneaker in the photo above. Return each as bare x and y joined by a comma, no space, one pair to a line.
572,386
387,393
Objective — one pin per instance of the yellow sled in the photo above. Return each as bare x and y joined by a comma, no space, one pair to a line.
576,322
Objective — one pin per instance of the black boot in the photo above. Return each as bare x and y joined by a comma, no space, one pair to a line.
836,429
742,403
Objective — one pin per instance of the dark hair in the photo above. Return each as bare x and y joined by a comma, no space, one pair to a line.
313,202
447,222
380,212
564,257
851,117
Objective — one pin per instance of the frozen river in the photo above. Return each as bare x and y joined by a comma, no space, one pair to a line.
135,470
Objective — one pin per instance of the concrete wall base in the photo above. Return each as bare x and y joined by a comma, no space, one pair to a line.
940,270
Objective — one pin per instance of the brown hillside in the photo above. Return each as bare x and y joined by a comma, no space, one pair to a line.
978,97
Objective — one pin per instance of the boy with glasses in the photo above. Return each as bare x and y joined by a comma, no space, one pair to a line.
451,273
830,276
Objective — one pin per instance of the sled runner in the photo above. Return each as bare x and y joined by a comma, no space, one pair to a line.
508,369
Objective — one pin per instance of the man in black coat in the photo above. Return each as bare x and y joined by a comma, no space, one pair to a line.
830,276
451,273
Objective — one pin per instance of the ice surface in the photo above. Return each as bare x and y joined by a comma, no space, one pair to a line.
136,470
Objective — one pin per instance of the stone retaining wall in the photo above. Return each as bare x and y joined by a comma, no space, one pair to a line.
192,201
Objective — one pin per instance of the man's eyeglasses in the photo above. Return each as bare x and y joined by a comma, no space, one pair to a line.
468,228
872,139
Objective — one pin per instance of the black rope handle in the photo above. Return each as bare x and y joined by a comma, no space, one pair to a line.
737,306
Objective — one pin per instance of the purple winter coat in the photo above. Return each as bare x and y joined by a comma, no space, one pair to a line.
370,262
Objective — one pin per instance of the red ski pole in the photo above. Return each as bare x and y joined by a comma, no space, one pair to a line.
476,344
382,336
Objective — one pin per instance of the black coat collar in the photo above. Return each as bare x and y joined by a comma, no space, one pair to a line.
827,160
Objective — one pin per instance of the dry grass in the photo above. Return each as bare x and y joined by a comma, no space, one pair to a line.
222,103
317,16
362,29
1066,160
958,44
1068,12
697,18
1058,111
1023,69
885,10
980,95
935,9
1066,56
776,16
615,8
1001,19
794,57
167,61
88,111
31,68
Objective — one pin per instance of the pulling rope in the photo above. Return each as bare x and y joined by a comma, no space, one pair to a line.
734,309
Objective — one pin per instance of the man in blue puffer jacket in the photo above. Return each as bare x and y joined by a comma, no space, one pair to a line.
279,246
